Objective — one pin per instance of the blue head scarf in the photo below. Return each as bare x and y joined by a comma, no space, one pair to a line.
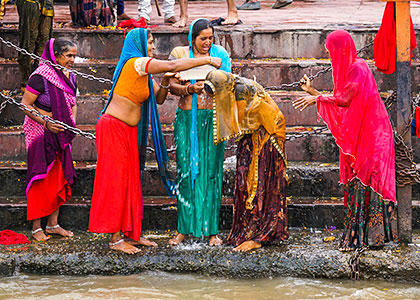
135,45
215,51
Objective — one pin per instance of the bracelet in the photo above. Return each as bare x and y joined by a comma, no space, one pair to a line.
186,89
211,60
164,86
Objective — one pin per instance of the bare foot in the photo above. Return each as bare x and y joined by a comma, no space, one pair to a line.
177,239
59,231
247,246
182,22
215,240
39,235
231,19
143,242
124,247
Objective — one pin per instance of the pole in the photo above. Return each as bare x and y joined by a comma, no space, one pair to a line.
404,193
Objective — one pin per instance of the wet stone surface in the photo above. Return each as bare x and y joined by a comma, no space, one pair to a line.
304,254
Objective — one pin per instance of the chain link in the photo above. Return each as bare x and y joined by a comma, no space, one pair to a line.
3,106
36,57
23,107
354,262
405,166
311,77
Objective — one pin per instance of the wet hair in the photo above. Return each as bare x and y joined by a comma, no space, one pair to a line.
199,26
62,45
149,34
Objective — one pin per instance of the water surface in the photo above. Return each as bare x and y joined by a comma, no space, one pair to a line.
160,285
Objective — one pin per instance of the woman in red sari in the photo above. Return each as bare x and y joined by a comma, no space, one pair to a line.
117,202
359,122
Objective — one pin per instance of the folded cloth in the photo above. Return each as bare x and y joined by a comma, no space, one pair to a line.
9,237
131,23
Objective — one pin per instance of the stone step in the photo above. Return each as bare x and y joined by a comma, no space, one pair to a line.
307,179
317,147
268,72
90,106
161,213
246,41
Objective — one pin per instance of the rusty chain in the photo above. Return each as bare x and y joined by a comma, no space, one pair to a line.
23,107
36,57
405,167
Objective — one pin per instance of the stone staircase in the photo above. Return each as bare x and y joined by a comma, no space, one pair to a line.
272,55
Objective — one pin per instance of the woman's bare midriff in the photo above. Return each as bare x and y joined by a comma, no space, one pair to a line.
124,110
203,102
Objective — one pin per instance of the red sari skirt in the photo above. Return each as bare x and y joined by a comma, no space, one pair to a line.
48,193
117,202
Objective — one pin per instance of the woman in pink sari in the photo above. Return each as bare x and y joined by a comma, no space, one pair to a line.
359,122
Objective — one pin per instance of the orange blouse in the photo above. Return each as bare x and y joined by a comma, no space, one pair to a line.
133,82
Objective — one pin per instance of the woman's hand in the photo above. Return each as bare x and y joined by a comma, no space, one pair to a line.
54,128
196,88
216,62
305,84
304,102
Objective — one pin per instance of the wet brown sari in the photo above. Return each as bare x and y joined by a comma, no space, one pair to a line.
241,108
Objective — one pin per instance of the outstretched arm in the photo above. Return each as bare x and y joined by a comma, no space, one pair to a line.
160,66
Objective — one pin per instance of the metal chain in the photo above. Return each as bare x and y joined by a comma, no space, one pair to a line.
405,167
23,107
3,106
311,77
306,133
354,262
36,57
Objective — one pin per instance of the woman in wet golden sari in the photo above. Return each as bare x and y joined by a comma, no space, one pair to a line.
243,110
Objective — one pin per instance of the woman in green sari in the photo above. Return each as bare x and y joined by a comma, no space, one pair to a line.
199,161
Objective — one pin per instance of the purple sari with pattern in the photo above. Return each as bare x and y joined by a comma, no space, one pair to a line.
43,146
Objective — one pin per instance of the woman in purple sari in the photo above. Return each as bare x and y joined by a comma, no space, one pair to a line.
52,92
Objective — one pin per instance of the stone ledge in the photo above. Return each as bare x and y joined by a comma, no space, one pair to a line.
304,254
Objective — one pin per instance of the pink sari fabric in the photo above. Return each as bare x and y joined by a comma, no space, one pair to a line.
358,119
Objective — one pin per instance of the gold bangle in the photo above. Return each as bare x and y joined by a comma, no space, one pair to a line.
164,86
186,89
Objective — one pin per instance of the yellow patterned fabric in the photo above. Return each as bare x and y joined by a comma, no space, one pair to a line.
242,106
3,8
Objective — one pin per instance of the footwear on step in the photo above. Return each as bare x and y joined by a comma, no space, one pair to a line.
123,16
171,20
281,3
249,6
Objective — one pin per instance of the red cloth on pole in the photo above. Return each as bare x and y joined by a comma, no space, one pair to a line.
9,237
385,43
117,202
